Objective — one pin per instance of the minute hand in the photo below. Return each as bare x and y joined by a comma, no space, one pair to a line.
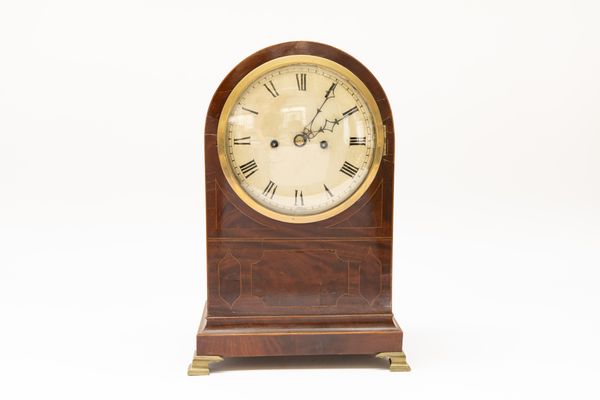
329,94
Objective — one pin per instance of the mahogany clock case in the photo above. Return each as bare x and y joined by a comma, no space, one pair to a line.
277,288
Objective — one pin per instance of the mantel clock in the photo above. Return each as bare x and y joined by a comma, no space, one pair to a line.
299,153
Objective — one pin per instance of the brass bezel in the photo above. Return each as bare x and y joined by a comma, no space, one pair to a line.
261,70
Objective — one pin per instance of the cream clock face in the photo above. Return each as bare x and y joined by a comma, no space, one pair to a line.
300,140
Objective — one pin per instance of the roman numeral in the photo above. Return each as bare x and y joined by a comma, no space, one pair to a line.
350,112
271,89
270,190
249,168
331,91
242,140
298,196
301,81
358,141
349,169
250,111
327,190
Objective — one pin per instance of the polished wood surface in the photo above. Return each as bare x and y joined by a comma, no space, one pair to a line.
291,289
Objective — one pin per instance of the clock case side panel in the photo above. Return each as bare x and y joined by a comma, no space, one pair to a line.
344,263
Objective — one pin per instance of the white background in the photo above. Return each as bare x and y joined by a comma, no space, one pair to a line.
497,228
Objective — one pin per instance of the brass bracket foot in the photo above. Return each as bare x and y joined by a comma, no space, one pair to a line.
199,365
397,361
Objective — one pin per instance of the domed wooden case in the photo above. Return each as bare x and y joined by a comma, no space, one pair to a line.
288,289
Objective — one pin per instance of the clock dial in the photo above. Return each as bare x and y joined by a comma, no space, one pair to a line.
300,140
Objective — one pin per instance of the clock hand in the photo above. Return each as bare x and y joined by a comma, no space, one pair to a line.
329,125
329,94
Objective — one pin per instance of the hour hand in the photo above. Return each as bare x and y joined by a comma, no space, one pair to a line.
329,125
